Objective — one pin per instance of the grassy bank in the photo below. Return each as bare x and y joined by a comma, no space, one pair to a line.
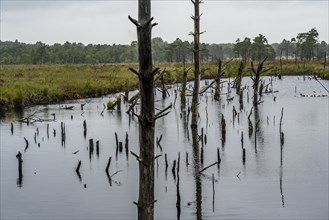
25,85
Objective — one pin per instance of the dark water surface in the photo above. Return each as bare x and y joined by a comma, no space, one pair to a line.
263,188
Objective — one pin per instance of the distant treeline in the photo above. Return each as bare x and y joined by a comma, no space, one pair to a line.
304,47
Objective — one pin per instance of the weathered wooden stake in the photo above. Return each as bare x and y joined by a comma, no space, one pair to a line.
120,147
91,147
173,169
97,148
126,145
250,126
116,140
12,128
84,127
223,123
48,131
218,156
20,162
243,155
166,161
63,133
281,133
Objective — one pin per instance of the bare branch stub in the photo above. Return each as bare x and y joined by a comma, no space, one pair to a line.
134,71
134,21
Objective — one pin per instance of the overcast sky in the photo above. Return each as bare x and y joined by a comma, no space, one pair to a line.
106,21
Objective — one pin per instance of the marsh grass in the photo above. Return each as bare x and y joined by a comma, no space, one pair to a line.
25,85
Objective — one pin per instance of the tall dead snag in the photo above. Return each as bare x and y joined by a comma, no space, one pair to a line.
145,74
196,52
219,74
238,80
20,172
183,91
256,79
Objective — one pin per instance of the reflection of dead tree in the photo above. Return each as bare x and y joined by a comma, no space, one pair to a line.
32,118
256,79
178,201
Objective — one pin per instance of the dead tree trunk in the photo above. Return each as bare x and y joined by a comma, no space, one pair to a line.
239,78
256,78
145,74
196,52
219,74
183,91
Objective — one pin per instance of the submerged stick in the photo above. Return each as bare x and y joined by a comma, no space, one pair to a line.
108,165
208,167
26,144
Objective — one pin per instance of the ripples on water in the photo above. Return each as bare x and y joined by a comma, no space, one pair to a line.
261,188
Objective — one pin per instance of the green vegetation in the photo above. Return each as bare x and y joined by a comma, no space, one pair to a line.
25,85
305,46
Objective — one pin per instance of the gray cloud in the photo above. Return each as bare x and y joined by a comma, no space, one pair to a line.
106,21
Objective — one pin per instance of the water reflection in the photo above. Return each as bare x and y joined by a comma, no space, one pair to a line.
178,200
197,177
235,198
